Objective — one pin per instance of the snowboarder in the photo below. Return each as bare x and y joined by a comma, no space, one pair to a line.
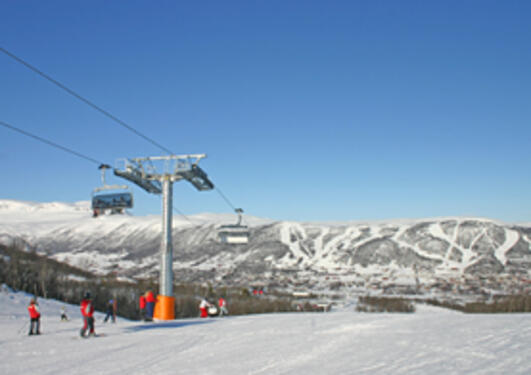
35,317
87,310
142,306
222,306
110,312
203,308
63,314
150,305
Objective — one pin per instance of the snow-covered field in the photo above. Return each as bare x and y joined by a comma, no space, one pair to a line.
431,341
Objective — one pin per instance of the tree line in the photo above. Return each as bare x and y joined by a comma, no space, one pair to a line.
45,277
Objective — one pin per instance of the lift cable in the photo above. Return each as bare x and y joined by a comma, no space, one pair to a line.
182,215
86,101
99,109
66,149
225,198
53,144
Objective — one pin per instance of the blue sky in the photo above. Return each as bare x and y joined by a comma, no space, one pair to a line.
307,110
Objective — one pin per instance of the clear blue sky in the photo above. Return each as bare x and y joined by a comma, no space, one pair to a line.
307,110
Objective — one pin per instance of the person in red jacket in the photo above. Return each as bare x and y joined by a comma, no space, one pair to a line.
142,306
150,305
87,310
203,308
222,306
35,317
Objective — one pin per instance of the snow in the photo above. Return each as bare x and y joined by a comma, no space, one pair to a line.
31,216
511,238
431,341
289,229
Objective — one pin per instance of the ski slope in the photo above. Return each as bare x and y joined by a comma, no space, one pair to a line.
431,341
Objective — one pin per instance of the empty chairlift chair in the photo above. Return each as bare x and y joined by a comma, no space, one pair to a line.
234,233
110,198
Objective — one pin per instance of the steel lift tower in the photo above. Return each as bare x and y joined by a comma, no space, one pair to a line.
144,173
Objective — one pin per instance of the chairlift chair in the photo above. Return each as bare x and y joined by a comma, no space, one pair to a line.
234,234
110,198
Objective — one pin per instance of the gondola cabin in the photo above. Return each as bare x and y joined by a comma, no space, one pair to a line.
233,234
110,198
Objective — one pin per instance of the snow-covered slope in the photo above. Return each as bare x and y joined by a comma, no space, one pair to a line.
432,341
280,253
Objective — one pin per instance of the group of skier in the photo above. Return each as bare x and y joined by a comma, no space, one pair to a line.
87,312
207,309
146,305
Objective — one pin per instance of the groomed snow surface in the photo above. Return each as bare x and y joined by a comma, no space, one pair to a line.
431,341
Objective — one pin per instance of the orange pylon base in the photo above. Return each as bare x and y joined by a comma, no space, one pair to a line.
164,308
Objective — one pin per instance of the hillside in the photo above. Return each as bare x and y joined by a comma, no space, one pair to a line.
431,341
471,256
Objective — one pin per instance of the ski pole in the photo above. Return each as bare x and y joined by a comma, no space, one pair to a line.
24,327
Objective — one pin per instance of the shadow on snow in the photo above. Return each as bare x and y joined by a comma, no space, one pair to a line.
179,324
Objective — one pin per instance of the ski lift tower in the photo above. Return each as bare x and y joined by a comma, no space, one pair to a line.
144,173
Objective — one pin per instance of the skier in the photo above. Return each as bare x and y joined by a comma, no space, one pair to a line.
203,308
222,306
150,305
110,312
63,314
35,317
87,310
142,306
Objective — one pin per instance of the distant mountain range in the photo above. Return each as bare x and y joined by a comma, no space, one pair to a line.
280,253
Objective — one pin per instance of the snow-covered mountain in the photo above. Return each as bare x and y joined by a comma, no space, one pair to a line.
399,255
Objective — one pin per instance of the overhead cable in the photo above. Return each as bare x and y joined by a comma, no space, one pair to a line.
83,99
48,142
70,151
99,109
225,198
183,215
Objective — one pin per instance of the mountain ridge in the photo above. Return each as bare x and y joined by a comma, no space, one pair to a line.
285,253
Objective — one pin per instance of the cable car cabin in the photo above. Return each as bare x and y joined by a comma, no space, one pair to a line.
116,203
233,234
109,198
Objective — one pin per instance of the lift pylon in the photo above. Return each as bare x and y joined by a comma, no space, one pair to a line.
144,173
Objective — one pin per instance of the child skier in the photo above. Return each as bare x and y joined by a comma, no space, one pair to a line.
110,312
222,306
35,317
142,306
87,310
63,314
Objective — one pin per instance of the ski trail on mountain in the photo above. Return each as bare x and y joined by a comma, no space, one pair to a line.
287,230
511,238
326,256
